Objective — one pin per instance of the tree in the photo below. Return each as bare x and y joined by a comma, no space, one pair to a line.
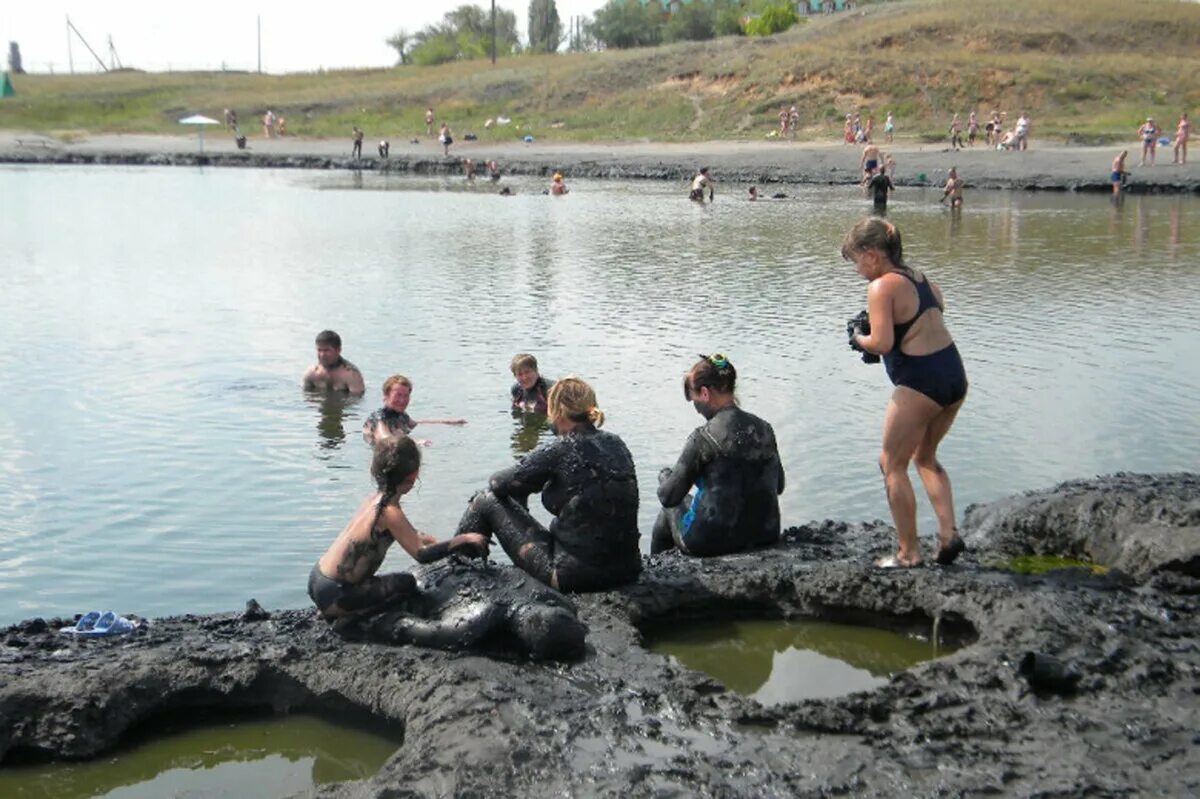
773,19
627,23
14,59
693,22
545,28
465,33
402,41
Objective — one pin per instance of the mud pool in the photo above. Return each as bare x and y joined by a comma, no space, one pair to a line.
774,662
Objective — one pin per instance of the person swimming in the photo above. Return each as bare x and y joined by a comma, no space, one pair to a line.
393,419
731,462
588,483
332,372
530,391
344,581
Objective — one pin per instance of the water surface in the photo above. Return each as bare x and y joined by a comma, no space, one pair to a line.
158,456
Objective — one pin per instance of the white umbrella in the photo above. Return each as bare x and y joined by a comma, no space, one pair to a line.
199,122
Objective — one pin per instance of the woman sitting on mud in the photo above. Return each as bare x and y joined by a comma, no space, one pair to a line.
733,464
931,384
588,483
343,582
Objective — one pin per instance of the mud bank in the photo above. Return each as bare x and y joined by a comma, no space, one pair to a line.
1048,168
623,721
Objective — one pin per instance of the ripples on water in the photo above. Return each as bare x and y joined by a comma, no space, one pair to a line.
157,455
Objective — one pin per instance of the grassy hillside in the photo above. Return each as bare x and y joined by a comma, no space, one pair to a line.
1089,67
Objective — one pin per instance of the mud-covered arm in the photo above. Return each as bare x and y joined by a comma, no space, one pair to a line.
527,476
674,483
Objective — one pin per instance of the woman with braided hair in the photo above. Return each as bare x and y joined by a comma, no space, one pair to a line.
931,383
587,481
343,582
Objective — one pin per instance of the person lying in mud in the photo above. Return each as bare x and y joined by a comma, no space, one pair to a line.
731,466
588,483
344,581
530,391
332,372
393,419
931,383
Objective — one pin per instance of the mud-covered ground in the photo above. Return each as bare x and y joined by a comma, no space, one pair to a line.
624,721
773,164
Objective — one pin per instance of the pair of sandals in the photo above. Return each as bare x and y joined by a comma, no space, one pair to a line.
945,556
95,624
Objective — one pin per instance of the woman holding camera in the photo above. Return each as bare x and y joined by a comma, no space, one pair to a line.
906,328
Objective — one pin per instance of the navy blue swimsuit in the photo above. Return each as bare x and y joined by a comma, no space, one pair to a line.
939,375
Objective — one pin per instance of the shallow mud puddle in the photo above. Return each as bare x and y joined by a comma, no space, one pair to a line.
247,758
774,662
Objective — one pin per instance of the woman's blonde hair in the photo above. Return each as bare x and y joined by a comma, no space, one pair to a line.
873,233
572,398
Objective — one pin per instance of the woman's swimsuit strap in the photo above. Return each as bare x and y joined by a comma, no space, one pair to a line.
926,299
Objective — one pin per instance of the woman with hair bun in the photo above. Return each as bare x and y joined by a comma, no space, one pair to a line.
904,310
587,481
730,465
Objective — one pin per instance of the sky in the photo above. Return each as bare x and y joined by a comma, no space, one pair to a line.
161,36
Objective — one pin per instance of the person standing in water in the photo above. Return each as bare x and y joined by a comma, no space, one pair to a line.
1118,172
344,581
557,187
699,183
722,495
953,189
588,483
923,363
393,419
331,371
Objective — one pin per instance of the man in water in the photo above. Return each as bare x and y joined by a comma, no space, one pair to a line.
877,188
699,184
332,372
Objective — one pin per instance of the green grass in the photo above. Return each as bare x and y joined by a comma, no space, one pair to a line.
1090,69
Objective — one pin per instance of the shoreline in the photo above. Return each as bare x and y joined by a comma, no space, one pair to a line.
1044,168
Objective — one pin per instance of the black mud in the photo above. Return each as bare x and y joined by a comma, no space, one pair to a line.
623,721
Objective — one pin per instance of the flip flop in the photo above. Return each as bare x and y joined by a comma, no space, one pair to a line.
955,548
893,562
110,624
86,622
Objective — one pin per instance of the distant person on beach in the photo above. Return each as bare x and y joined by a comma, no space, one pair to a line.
557,187
793,121
1021,132
356,147
230,119
1149,133
972,128
931,383
953,189
468,168
869,161
889,165
332,372
869,129
783,121
393,419
889,127
344,581
1118,172
429,121
384,148
530,391
699,183
956,141
1183,132
445,138
281,126
588,484
493,170
722,495
848,130
269,124
878,188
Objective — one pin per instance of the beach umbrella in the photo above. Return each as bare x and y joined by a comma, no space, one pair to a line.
199,121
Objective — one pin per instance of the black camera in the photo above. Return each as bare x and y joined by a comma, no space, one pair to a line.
860,324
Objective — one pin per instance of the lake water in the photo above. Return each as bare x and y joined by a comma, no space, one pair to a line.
158,456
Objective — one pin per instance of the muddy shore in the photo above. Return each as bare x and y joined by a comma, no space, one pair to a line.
1045,166
625,721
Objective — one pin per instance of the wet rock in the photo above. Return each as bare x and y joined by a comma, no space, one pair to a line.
255,612
1046,673
624,721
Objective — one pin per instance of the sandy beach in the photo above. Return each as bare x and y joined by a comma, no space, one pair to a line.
1043,166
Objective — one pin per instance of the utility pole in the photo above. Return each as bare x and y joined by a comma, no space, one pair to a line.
70,58
493,32
259,44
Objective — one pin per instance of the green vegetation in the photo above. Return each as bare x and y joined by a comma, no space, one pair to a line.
1089,69
1040,564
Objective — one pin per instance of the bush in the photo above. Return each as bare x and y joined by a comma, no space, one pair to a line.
773,19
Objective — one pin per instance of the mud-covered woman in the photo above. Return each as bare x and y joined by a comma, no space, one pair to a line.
587,481
906,328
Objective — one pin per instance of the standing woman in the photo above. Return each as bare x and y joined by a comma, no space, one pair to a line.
1183,132
906,328
588,483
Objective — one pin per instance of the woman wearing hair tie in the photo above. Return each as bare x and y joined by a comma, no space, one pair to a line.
730,465
931,384
588,483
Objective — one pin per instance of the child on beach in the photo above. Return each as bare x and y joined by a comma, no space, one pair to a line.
392,420
531,389
344,582
889,127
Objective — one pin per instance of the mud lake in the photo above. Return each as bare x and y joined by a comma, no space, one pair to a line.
157,455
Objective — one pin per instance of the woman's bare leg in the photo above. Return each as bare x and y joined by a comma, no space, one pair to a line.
934,477
908,416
